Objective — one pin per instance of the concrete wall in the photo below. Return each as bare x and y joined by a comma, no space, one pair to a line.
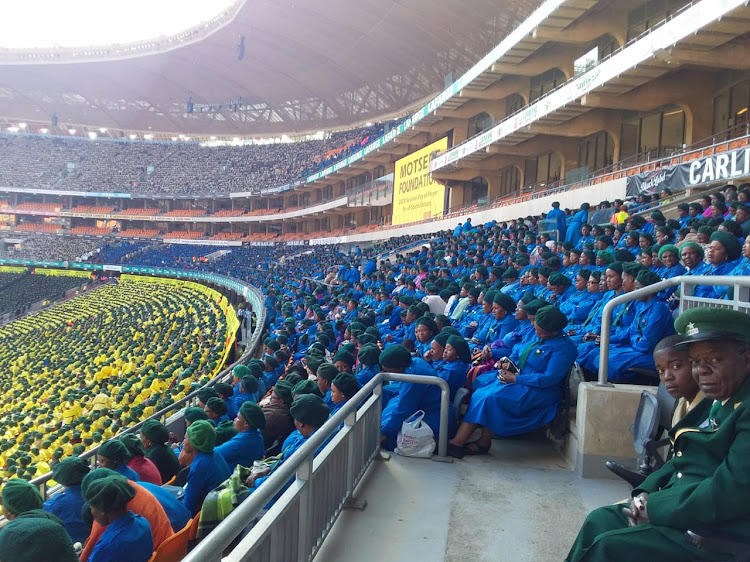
572,199
602,428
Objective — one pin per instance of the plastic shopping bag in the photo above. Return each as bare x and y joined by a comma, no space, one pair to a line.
415,438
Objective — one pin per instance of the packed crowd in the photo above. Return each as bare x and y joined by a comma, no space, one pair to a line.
46,247
503,310
74,164
23,290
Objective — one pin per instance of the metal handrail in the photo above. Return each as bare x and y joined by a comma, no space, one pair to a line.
42,480
683,281
211,548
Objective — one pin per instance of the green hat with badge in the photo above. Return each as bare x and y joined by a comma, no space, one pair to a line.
253,415
306,386
310,409
395,356
283,390
551,319
347,384
705,324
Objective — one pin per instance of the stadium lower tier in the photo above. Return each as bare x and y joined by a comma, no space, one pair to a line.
74,374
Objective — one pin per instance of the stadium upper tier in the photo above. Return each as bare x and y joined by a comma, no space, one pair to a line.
74,373
74,164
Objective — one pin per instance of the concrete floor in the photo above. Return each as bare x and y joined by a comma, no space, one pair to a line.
519,504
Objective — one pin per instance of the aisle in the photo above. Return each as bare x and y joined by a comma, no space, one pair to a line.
519,504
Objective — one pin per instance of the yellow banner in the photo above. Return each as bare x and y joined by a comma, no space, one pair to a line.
415,195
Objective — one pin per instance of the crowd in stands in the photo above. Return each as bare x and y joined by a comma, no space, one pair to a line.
73,164
503,310
22,291
59,248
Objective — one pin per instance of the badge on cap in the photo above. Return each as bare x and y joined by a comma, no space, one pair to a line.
691,329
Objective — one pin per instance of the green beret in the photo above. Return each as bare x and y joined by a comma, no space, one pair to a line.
616,267
647,277
669,248
395,357
193,414
704,324
306,387
20,495
224,432
70,471
292,379
606,256
240,371
224,389
534,306
271,362
217,406
327,371
623,255
347,384
369,354
35,538
427,321
250,384
366,338
505,301
475,292
462,348
550,318
511,273
283,390
109,493
133,444
632,269
273,345
698,248
114,450
527,297
345,357
282,339
205,394
442,338
310,409
202,435
155,431
730,242
253,415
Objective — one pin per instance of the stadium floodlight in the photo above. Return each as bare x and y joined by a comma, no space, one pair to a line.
148,137
92,135
72,131
22,125
44,130
174,139
13,129
133,137
368,124
102,130
212,138
93,24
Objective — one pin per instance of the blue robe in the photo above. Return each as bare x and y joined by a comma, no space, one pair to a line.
532,401
454,373
741,269
127,472
126,539
411,398
558,216
366,374
244,449
67,506
207,471
504,347
579,305
573,234
177,513
634,346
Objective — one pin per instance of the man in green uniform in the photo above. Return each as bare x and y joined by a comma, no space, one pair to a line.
705,485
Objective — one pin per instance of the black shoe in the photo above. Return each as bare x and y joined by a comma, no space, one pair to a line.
455,451
632,477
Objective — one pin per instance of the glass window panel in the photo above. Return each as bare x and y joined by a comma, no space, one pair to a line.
721,113
629,139
542,173
673,129
650,126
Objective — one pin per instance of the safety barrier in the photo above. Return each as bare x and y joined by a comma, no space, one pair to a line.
740,301
251,294
295,526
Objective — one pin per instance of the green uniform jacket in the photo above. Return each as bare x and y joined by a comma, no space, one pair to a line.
706,484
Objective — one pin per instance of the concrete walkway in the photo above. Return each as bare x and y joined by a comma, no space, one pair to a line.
519,504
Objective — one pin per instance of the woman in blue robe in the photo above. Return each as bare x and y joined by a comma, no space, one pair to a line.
524,401
573,234
246,446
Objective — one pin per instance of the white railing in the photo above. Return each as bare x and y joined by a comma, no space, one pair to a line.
295,526
740,301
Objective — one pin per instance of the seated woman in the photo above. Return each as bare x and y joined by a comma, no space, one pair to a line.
208,469
456,363
368,363
144,468
127,536
411,397
113,454
67,505
154,436
424,330
246,446
704,485
343,387
279,422
524,401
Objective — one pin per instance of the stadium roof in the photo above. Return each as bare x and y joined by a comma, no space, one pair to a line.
306,66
